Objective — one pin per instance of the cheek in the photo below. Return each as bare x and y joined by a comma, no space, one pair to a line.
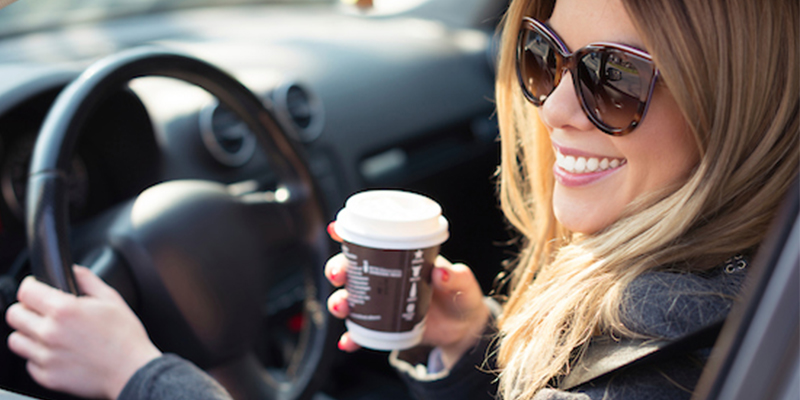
662,154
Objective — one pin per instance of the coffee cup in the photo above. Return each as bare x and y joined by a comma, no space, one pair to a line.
391,239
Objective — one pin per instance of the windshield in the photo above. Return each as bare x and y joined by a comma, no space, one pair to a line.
29,15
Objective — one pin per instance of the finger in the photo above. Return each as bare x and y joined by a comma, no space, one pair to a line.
26,347
91,285
40,375
332,232
455,285
441,273
336,270
23,319
337,304
442,262
454,278
40,297
347,344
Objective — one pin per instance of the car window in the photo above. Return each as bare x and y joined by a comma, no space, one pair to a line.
26,16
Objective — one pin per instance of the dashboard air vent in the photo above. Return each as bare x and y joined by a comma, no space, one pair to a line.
299,110
226,136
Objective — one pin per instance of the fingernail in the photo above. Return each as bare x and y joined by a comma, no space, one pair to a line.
340,345
334,274
445,275
335,307
332,233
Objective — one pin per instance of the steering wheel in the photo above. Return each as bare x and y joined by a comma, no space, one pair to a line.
193,260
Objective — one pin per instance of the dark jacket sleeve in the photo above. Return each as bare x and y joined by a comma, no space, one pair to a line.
172,377
471,378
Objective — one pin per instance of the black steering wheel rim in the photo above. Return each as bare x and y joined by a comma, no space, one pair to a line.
47,222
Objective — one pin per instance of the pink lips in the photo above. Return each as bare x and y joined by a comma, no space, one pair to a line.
571,179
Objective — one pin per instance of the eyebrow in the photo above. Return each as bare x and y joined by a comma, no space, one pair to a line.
561,41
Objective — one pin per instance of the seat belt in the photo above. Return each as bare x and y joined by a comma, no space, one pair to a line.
606,355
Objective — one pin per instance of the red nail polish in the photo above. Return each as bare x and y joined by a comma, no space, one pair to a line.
334,275
335,307
445,275
340,345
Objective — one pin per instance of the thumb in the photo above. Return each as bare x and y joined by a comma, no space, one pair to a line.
455,286
92,286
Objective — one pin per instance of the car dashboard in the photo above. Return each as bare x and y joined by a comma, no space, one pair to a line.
374,101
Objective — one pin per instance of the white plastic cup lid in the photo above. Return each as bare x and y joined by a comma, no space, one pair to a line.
391,219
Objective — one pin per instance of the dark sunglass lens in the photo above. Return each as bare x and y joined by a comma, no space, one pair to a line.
537,66
613,86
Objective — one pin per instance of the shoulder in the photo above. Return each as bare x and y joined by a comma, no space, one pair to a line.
672,304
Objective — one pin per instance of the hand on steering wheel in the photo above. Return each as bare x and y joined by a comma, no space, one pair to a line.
89,346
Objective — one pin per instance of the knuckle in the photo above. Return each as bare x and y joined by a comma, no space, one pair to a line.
63,310
46,358
50,334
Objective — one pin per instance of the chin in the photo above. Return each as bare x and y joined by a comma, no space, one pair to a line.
582,221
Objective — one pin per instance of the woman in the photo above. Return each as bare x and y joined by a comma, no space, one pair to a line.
611,247
630,189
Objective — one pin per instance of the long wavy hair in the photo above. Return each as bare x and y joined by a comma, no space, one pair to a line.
733,68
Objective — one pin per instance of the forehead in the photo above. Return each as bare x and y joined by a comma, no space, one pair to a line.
580,22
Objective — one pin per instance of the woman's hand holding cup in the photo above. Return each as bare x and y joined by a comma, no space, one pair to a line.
398,292
456,318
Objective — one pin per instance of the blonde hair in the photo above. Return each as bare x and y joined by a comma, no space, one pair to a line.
733,68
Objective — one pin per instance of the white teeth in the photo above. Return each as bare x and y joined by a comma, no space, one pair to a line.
581,165
592,164
568,163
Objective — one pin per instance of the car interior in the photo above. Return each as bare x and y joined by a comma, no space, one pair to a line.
386,96
192,153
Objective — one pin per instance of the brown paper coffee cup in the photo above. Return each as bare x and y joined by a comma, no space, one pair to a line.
391,240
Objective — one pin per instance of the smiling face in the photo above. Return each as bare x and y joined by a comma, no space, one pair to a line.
598,175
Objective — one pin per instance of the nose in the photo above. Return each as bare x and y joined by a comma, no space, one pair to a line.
562,109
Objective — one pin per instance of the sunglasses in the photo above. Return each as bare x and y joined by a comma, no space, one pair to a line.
614,82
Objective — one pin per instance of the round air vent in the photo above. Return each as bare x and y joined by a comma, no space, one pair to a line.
299,110
226,136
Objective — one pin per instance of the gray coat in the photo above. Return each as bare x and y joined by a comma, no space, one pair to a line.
661,305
